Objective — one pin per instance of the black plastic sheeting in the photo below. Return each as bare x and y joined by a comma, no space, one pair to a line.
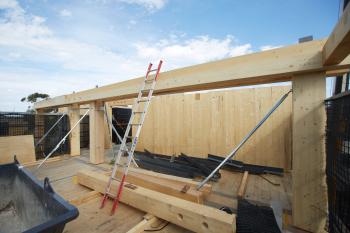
338,162
16,124
255,219
180,166
242,167
190,167
30,206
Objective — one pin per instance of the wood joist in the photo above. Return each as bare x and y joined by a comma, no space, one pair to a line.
337,47
263,67
192,216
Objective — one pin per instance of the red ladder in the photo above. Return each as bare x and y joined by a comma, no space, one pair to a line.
147,87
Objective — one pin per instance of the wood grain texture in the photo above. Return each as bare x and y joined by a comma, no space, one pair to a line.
243,185
192,216
270,66
337,47
215,122
96,133
74,137
165,186
309,201
21,146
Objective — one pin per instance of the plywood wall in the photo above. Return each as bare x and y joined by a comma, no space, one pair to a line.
215,122
21,146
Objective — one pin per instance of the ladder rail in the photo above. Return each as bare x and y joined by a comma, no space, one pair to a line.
123,148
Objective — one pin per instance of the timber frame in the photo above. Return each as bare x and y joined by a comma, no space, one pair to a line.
306,65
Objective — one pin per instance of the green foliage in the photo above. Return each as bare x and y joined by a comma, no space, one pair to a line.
32,98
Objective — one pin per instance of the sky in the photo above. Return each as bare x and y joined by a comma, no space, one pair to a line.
61,46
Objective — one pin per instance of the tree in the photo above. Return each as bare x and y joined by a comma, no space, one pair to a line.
33,98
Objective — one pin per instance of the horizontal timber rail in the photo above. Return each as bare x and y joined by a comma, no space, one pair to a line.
270,66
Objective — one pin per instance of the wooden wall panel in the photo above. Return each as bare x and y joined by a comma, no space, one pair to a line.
215,122
21,146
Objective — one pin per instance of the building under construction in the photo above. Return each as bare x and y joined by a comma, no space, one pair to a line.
184,151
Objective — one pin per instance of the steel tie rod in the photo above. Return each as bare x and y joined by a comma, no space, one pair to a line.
62,141
52,127
119,137
233,153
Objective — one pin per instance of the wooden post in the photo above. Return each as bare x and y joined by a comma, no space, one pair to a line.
97,133
74,137
108,130
309,201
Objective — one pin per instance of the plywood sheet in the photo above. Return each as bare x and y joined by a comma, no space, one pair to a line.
21,146
215,122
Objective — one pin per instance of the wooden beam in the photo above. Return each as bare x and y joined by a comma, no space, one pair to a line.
85,198
192,216
274,65
337,47
53,159
124,102
148,221
108,130
96,133
206,189
243,185
309,196
74,137
172,188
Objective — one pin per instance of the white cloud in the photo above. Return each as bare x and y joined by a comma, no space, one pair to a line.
62,65
151,5
193,51
269,47
65,13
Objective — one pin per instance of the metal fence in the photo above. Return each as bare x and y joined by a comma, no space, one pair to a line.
84,133
15,124
338,162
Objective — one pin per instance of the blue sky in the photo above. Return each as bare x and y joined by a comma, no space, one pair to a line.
58,47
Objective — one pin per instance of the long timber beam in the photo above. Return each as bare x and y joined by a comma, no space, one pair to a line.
192,216
257,68
337,47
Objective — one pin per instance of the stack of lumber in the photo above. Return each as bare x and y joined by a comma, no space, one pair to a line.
187,214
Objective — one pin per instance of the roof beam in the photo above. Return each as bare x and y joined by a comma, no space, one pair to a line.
337,47
257,68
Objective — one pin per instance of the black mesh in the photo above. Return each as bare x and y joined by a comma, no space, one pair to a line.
84,132
338,162
255,219
15,124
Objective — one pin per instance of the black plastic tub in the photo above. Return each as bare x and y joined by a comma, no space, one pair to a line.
28,205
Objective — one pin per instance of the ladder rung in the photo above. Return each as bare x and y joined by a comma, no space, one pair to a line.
117,179
111,195
123,149
153,70
135,124
147,90
143,100
121,165
149,80
139,112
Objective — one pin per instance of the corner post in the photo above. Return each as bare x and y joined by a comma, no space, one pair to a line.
97,133
74,137
108,130
309,200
